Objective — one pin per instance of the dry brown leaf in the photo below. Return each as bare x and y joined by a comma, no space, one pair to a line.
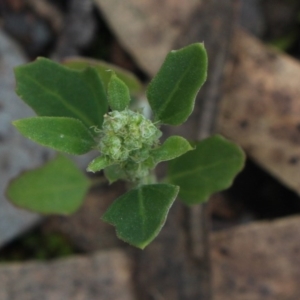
260,109
147,29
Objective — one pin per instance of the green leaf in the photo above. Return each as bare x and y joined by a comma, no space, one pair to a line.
114,173
173,147
210,168
118,94
62,134
102,68
53,90
98,164
173,90
140,214
56,188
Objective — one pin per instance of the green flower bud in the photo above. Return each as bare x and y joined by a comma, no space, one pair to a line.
132,143
126,139
136,170
135,132
124,155
139,155
110,145
114,121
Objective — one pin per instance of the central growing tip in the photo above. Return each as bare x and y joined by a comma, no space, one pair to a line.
127,139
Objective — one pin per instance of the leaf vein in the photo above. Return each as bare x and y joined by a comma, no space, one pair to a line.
61,100
174,90
201,169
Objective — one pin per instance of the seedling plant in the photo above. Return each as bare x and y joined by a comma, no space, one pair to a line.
83,106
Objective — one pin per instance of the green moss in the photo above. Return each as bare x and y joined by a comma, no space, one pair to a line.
37,245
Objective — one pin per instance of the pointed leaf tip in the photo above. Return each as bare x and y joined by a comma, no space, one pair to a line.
118,94
98,164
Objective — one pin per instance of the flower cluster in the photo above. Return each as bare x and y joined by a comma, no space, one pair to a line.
127,138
